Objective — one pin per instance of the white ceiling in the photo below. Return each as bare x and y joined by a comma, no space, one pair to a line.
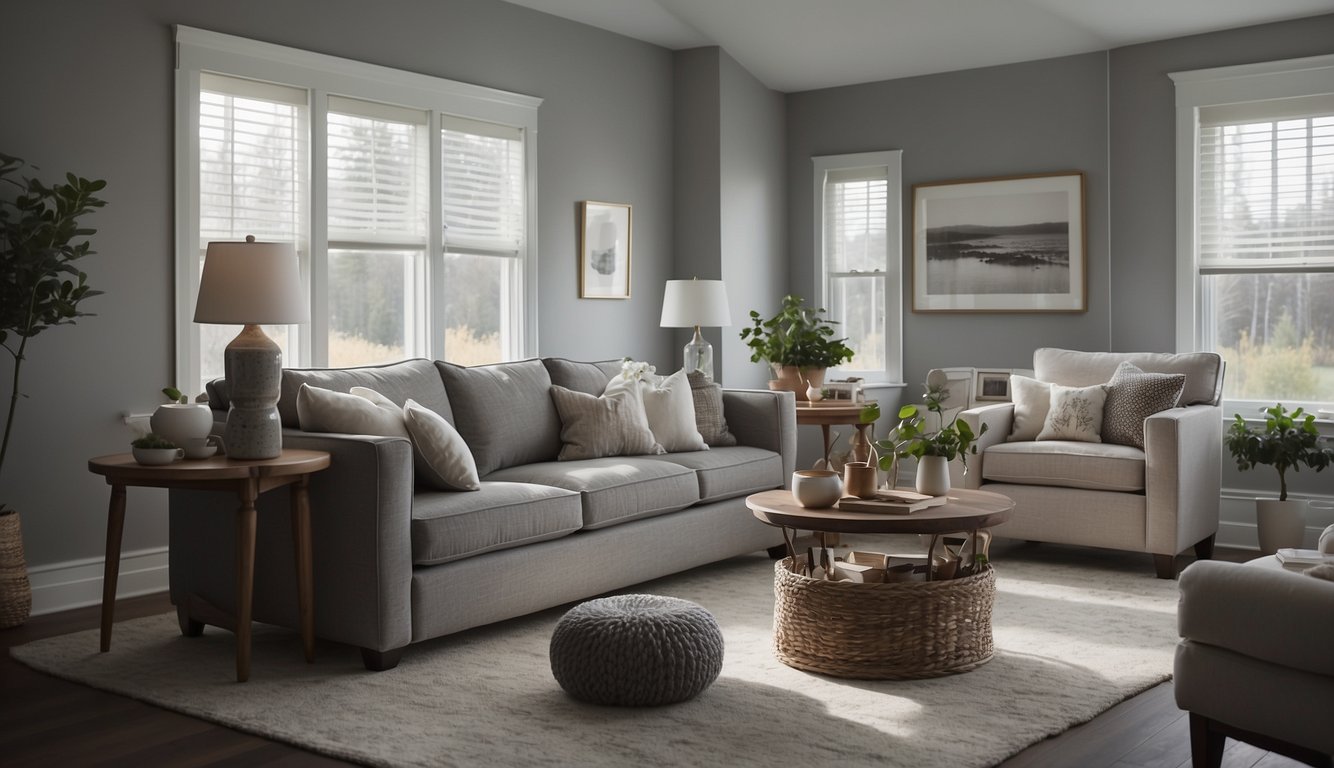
797,45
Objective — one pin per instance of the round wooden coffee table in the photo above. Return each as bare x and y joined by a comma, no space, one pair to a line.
884,631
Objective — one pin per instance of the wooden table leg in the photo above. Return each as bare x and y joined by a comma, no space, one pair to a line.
824,430
245,576
111,572
304,586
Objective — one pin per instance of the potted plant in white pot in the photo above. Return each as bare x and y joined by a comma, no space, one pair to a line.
40,288
798,344
1285,441
934,448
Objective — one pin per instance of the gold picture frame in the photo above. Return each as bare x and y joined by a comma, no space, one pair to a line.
605,242
1003,244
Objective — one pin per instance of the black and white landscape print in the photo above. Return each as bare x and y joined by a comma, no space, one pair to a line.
998,247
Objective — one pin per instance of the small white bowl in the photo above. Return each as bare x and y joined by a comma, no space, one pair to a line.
157,456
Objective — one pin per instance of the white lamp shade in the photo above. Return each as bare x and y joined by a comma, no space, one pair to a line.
251,283
687,303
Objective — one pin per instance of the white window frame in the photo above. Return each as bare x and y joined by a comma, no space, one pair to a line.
320,75
1291,78
892,162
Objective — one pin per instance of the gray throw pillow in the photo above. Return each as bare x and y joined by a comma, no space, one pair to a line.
594,427
708,396
503,412
1133,396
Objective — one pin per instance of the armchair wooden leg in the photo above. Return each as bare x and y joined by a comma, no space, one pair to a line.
1166,566
1206,744
1204,548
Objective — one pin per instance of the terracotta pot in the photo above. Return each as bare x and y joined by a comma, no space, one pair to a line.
790,378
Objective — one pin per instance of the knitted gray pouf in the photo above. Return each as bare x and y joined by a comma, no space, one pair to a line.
636,650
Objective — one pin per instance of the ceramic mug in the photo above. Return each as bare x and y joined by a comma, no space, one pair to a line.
202,447
860,478
816,488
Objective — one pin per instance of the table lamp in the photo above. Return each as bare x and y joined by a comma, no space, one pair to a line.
252,284
688,303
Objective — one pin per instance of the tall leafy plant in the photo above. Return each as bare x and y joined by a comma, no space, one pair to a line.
798,335
1286,441
40,241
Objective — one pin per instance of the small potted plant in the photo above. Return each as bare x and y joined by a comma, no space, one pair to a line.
153,449
933,448
798,344
1286,441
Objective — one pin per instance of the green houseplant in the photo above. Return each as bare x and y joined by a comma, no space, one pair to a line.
933,448
1285,441
798,343
40,288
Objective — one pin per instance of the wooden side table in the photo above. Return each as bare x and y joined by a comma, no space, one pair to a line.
826,416
248,479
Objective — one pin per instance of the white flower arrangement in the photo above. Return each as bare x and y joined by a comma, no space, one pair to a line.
637,371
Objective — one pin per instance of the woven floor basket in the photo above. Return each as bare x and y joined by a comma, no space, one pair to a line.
895,631
15,591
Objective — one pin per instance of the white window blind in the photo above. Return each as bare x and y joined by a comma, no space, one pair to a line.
482,167
378,188
252,160
1266,186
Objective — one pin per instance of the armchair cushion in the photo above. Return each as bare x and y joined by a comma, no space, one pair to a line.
1203,370
1134,395
1075,414
1068,464
1032,400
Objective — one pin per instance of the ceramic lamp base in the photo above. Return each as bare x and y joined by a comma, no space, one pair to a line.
254,372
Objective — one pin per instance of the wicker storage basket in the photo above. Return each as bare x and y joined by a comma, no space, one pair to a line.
890,631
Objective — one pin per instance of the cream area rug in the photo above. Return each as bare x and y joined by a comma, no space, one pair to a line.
1076,631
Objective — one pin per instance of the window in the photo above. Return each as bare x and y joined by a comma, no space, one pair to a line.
1256,160
858,237
409,199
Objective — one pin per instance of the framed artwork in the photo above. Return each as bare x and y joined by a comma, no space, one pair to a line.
604,250
993,385
1010,244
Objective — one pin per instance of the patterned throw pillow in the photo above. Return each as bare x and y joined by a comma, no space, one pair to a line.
1132,397
709,419
1076,413
611,425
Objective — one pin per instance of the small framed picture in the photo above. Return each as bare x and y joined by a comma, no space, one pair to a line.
993,385
604,250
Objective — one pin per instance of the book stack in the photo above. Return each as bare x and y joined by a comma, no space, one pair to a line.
1301,559
891,502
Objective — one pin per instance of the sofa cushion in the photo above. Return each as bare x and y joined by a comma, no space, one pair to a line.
441,458
1032,400
451,526
611,425
416,379
1075,413
1068,464
615,490
709,419
1203,370
324,410
589,378
726,473
1133,396
504,412
669,406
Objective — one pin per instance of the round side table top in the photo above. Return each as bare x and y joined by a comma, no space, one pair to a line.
122,466
965,510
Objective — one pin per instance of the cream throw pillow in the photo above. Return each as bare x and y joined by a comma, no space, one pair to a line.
1075,414
669,407
441,457
611,425
324,410
1032,400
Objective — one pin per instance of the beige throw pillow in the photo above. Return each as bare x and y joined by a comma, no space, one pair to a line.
441,458
611,425
1032,400
1075,414
324,410
668,406
709,420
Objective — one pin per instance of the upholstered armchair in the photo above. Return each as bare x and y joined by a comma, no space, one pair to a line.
1254,662
1146,484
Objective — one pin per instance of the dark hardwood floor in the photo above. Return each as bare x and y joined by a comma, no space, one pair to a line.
45,721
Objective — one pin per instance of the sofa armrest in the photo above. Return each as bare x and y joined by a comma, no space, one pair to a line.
1183,476
1268,613
998,417
361,510
764,419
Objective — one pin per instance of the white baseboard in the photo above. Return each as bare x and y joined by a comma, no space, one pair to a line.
78,583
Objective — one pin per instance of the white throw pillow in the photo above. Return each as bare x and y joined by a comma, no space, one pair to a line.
1032,400
1076,413
669,407
324,410
441,457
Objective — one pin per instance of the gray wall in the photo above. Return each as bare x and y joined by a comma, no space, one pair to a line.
87,87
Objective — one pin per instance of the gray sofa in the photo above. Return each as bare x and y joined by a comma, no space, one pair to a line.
396,563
